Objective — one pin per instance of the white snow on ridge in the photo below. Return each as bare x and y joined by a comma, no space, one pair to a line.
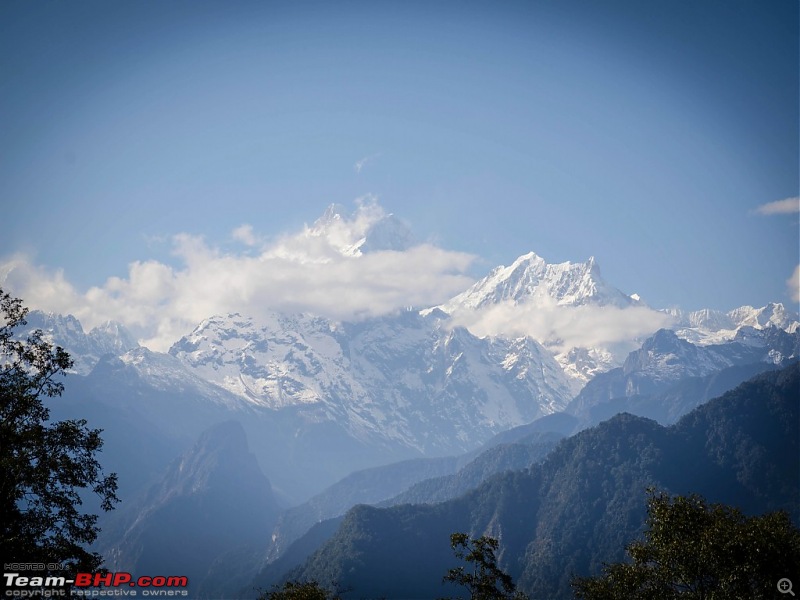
706,327
589,325
408,378
530,277
283,361
85,349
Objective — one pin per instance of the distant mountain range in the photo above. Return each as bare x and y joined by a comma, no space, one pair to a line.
396,408
416,383
665,359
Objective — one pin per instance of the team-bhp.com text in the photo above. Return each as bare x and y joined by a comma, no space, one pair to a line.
94,585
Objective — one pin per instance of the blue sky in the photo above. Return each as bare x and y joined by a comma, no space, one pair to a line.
644,134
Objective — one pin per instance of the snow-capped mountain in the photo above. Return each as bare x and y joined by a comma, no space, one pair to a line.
283,361
405,379
165,373
666,359
705,327
415,382
557,303
530,278
370,230
86,349
532,291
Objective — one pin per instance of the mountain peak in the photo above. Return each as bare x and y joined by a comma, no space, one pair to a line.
530,257
368,229
85,349
331,215
530,278
773,314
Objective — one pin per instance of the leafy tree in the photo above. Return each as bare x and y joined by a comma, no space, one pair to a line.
43,465
694,550
484,580
296,590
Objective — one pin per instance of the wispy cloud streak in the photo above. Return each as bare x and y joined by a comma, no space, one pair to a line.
786,206
361,163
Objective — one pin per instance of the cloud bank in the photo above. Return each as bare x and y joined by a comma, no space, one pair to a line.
563,327
318,270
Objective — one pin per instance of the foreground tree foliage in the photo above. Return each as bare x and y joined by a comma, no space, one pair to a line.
296,590
694,550
43,465
484,580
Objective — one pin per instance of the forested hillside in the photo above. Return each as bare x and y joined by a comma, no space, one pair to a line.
579,508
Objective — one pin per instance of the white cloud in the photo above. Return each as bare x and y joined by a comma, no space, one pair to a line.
49,288
793,285
244,234
564,327
780,207
308,271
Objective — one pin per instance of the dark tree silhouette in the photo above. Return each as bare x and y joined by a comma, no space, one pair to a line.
43,464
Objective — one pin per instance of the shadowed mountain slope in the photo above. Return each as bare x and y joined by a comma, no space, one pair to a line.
581,506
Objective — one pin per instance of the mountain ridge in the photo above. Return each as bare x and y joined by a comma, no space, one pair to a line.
530,276
579,508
